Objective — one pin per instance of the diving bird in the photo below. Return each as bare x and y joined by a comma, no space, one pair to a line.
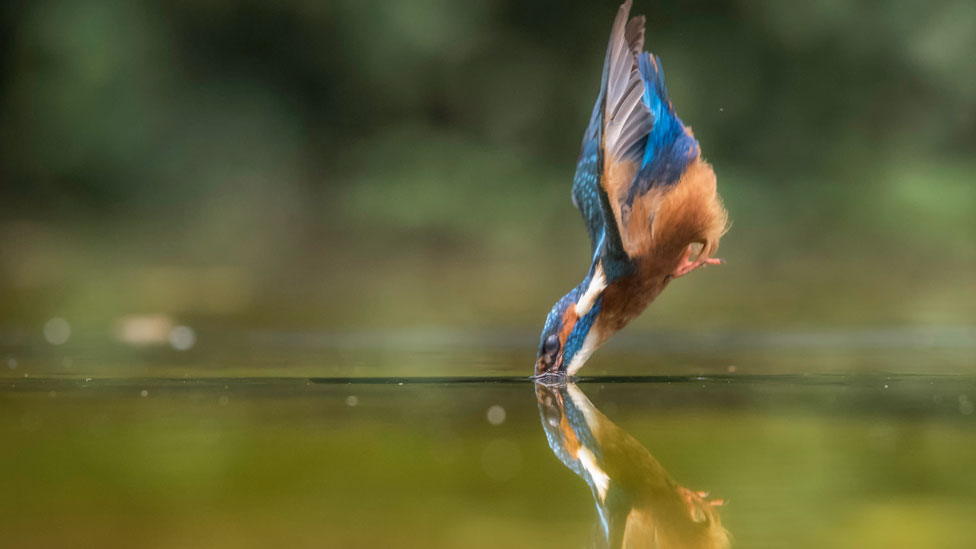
638,503
647,197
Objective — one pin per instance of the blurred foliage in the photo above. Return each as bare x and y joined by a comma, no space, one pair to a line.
379,163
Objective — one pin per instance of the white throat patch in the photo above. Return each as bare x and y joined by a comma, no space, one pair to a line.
590,344
597,284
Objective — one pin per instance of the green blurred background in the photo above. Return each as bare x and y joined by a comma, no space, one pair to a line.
207,188
380,167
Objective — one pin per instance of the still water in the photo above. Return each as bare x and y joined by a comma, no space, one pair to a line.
757,460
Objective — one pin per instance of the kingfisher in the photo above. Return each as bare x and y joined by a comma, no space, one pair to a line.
639,504
648,199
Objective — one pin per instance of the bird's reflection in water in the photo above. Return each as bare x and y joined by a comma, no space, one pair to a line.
639,504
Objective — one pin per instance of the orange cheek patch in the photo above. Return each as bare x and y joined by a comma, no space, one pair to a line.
569,321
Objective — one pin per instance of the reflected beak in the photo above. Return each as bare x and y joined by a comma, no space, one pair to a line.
550,402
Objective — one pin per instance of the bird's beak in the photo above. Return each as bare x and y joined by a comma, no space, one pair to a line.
547,366
540,366
550,405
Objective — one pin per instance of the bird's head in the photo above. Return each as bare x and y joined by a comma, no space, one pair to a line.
570,334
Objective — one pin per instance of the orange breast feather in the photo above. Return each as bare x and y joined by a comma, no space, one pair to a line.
691,212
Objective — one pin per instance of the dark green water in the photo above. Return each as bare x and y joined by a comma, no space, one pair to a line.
799,461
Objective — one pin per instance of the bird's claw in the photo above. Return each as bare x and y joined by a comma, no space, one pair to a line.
687,265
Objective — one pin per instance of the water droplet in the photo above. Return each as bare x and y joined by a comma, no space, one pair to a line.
57,331
496,415
352,400
143,393
12,363
182,338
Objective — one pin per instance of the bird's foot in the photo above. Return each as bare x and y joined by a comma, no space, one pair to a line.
687,265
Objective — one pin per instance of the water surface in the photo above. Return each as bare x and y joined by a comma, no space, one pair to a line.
796,461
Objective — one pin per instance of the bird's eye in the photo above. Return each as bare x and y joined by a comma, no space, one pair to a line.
551,344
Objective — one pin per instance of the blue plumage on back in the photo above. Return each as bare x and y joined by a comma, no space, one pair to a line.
587,178
666,125
669,147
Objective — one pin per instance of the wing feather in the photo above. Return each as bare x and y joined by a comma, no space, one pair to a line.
626,117
627,123
633,150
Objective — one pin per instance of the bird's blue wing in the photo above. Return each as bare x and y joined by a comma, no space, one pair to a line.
589,188
586,181
644,147
670,147
634,150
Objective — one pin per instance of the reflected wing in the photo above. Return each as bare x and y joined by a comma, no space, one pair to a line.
639,504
